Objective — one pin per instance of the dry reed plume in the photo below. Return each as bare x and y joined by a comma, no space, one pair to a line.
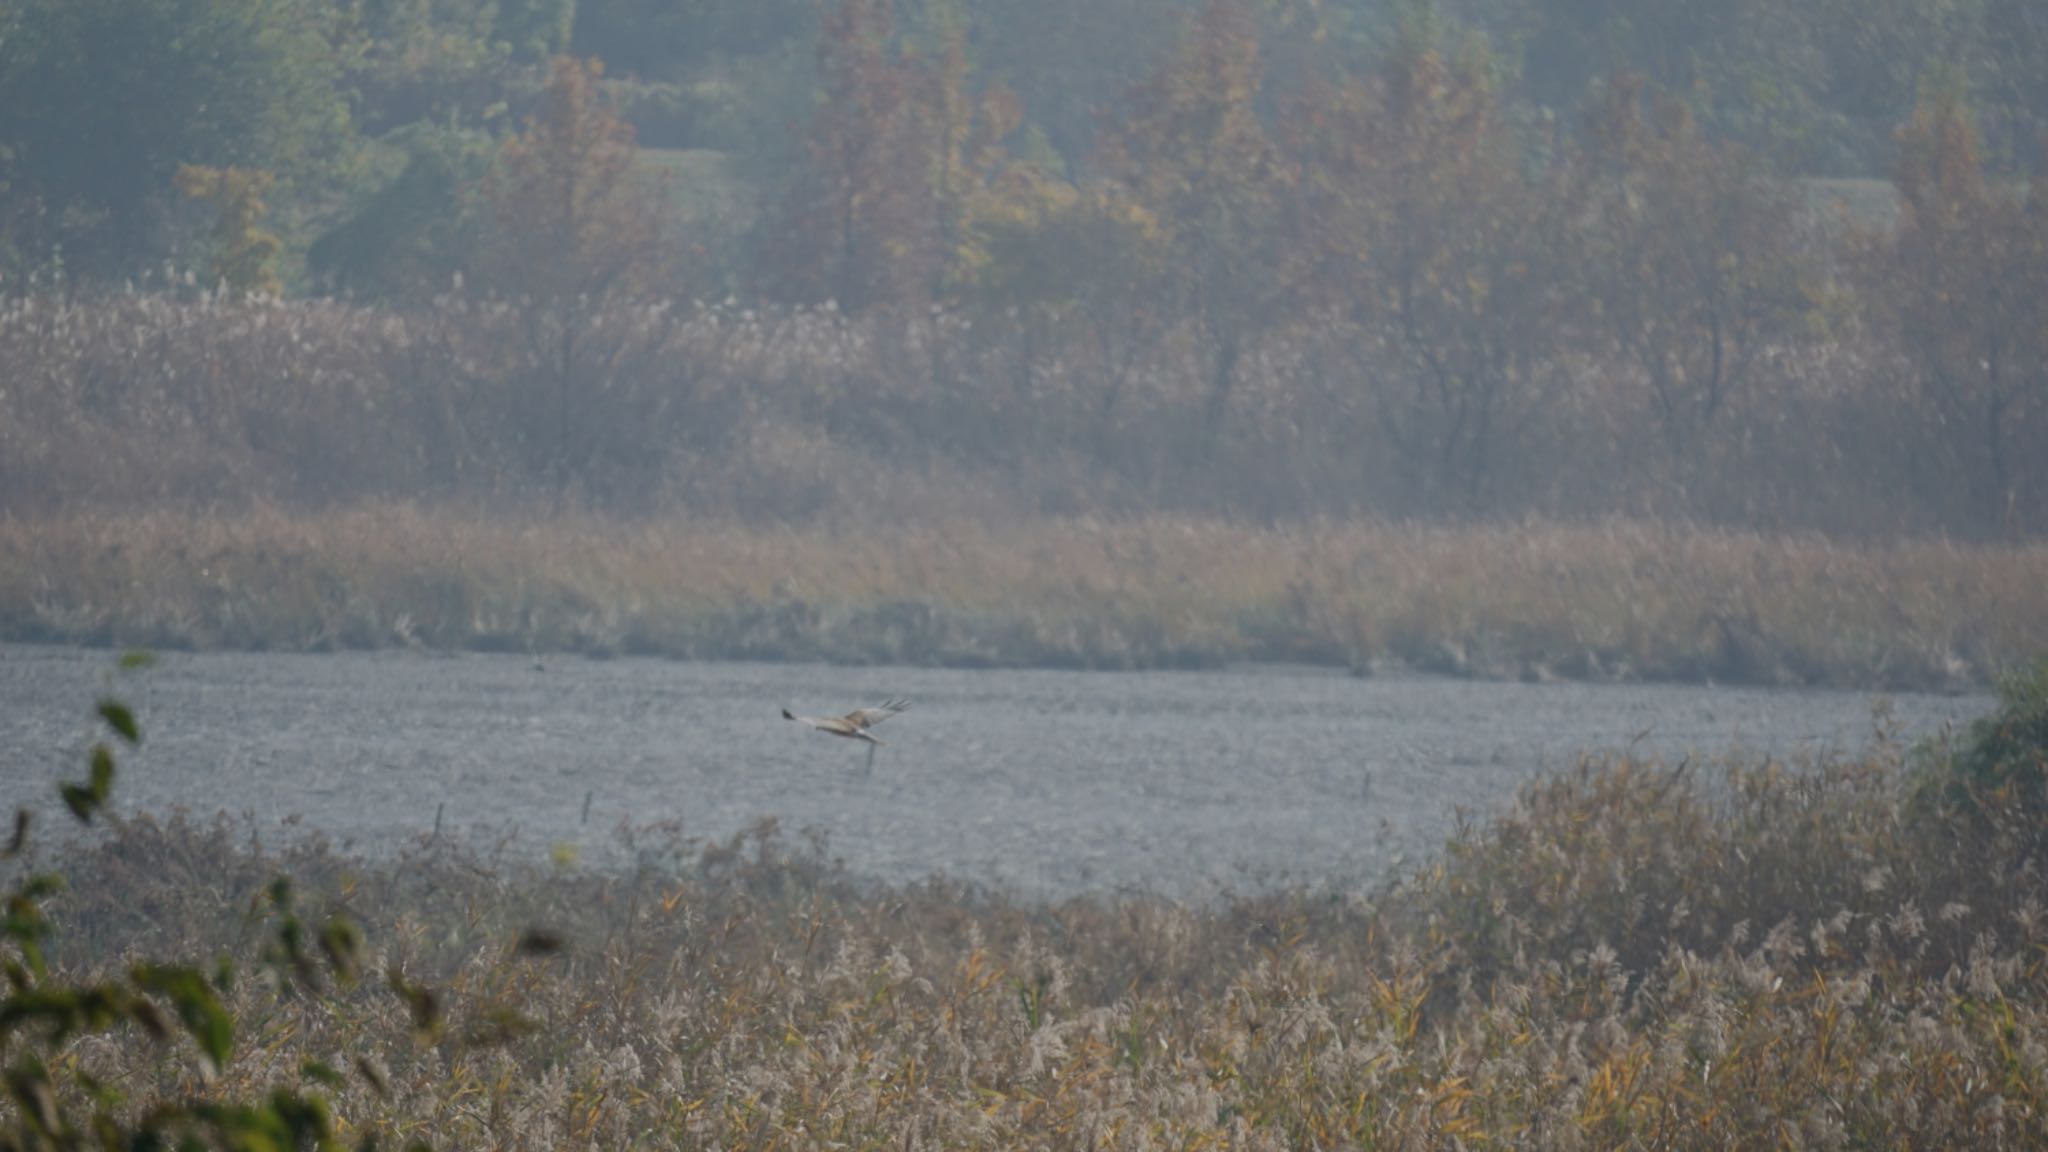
170,398
1619,599
1842,954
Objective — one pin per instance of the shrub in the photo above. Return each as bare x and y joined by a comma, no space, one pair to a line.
1996,776
60,1104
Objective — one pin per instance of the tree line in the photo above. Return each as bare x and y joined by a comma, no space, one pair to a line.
1469,271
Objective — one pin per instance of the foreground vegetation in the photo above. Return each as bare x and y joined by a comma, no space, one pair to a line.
1847,953
1619,600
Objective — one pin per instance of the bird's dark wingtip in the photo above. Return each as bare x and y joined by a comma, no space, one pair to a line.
786,715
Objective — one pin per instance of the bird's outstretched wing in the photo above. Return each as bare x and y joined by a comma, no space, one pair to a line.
869,717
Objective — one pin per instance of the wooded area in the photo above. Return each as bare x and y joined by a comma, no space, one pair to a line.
1779,266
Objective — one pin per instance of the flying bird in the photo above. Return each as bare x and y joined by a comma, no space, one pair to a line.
855,724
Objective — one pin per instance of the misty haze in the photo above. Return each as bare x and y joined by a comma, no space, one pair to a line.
1351,573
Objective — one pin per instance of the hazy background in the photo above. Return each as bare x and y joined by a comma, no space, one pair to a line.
1760,265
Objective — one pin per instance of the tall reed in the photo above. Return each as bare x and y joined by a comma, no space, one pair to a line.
1614,599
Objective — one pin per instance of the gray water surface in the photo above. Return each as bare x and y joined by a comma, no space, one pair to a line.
1041,782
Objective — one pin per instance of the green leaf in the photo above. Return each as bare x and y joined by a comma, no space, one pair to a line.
198,1008
136,658
420,999
342,941
40,885
305,1118
101,1093
30,1086
290,950
81,800
102,772
107,1131
323,1074
120,719
32,955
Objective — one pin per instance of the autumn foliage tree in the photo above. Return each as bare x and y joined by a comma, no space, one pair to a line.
955,146
1965,287
1195,155
1083,265
573,219
1692,264
242,247
861,224
574,230
1463,285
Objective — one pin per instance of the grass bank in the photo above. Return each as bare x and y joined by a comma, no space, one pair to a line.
1845,954
1620,600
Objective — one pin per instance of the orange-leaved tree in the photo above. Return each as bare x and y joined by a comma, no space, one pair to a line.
859,226
574,228
1196,156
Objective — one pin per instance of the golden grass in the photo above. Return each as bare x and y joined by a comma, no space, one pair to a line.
1616,599
1627,959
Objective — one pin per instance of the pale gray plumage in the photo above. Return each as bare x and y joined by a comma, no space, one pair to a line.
855,724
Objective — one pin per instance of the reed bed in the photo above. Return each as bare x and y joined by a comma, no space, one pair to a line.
167,397
1847,953
1616,599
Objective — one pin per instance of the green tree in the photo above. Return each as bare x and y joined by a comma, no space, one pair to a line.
408,237
102,100
1817,83
535,29
242,247
445,63
950,115
1875,54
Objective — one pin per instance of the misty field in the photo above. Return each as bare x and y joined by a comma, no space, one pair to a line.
1845,953
1619,600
